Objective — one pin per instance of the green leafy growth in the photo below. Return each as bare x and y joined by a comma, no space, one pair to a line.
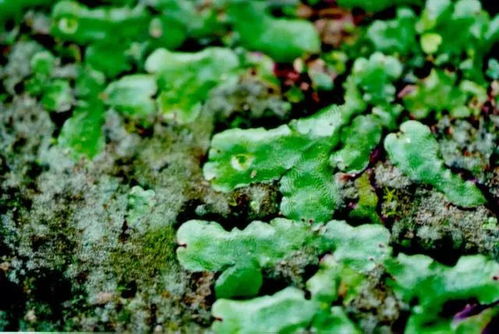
449,29
239,281
182,19
359,139
108,58
185,79
82,132
372,80
334,320
375,6
394,36
89,84
169,32
207,246
332,275
282,39
77,23
440,92
366,206
57,96
325,287
388,115
42,64
13,8
54,94
240,254
430,42
416,152
240,157
287,311
361,248
461,25
432,284
308,189
133,95
297,152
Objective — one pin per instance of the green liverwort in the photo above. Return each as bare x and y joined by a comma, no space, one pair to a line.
192,74
416,152
282,39
431,284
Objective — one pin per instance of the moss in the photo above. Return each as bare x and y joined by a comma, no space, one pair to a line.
145,255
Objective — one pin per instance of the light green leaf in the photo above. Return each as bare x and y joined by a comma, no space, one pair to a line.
359,139
133,95
75,22
430,42
108,58
13,8
287,311
493,69
440,92
82,132
240,157
360,248
282,39
207,246
432,284
416,152
394,36
374,78
334,320
324,285
186,79
42,64
309,190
